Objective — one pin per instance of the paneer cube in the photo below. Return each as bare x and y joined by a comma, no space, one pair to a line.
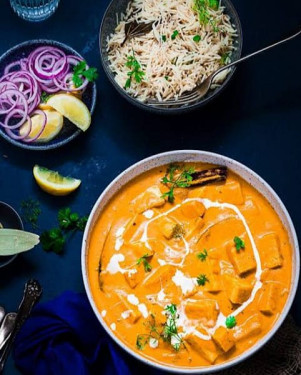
133,314
140,249
243,260
269,297
193,209
269,249
224,339
214,285
205,348
231,192
214,265
134,276
205,311
151,197
250,328
193,232
159,278
166,226
238,290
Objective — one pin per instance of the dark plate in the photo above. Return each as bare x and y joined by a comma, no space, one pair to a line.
10,219
108,25
69,131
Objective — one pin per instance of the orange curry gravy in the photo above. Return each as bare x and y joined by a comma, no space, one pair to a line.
218,254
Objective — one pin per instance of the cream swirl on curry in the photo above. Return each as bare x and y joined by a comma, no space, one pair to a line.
191,265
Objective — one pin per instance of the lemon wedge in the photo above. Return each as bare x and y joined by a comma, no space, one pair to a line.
53,183
72,108
53,126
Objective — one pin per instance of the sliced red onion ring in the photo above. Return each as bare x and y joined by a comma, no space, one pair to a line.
37,112
20,137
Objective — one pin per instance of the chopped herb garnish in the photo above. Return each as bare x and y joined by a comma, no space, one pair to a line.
135,72
230,322
141,341
167,78
30,212
178,231
201,7
174,180
53,240
196,38
239,243
80,72
224,58
143,260
170,332
69,222
44,97
202,255
174,34
163,38
202,280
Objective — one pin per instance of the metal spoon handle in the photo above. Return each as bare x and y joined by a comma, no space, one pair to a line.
6,328
32,293
233,63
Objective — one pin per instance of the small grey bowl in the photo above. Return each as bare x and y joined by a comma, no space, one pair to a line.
10,219
108,25
69,131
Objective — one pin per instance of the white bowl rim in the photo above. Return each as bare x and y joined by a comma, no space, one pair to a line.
296,267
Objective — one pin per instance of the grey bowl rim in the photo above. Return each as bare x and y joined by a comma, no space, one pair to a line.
15,213
251,351
77,132
178,110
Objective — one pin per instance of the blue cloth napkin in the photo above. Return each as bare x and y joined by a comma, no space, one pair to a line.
64,337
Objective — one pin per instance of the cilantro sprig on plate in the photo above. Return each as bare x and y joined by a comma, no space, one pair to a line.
135,72
81,70
69,222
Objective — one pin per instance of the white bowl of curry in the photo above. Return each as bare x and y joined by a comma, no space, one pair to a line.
190,261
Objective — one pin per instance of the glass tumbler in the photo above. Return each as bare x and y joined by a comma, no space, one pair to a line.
34,10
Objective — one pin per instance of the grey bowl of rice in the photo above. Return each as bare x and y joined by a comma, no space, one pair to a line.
154,50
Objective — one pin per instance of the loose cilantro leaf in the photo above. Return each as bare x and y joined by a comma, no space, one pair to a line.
174,34
53,240
224,58
201,7
82,70
44,97
230,322
143,260
196,38
69,222
81,223
239,243
141,341
163,37
135,71
202,255
181,180
202,280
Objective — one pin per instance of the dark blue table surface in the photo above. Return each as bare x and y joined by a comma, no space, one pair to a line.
257,120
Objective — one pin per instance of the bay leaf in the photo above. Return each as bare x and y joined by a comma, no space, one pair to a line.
134,29
14,241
